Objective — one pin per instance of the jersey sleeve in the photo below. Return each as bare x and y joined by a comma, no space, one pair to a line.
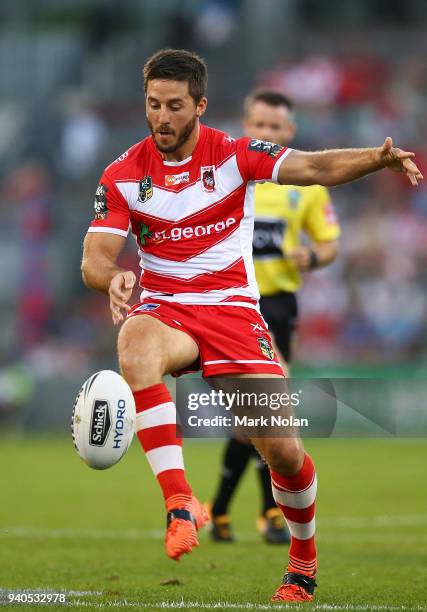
259,160
111,209
320,221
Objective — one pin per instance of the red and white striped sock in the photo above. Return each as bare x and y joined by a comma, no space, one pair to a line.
295,496
156,430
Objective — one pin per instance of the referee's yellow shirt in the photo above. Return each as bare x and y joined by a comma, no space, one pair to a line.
282,213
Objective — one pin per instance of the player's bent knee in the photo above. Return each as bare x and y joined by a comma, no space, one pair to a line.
285,455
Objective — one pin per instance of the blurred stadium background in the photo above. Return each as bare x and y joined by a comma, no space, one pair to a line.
71,101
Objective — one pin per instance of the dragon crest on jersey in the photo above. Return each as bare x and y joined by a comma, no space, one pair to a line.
145,189
263,146
265,347
100,203
207,176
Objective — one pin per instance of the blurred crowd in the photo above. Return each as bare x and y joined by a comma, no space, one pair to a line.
369,306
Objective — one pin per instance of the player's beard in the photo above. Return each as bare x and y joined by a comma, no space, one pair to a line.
181,139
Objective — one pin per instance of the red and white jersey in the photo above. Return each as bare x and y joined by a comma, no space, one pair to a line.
192,220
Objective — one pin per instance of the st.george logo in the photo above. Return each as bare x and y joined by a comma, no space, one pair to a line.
145,189
207,176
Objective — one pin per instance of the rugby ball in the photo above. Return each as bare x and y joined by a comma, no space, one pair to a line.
103,421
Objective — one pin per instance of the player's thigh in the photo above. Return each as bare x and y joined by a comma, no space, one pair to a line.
151,342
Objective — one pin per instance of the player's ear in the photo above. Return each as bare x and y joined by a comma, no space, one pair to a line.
201,106
292,128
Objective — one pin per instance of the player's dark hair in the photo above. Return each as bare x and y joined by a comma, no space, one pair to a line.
268,96
178,65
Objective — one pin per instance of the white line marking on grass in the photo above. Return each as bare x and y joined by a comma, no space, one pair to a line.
348,523
199,605
15,590
365,607
177,605
109,534
361,522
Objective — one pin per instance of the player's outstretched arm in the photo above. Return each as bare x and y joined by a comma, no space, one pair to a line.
100,272
338,166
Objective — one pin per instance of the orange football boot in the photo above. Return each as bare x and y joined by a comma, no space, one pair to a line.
185,517
295,587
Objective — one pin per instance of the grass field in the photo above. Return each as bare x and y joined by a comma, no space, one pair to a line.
99,535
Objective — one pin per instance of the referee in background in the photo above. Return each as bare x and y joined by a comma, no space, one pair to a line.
282,214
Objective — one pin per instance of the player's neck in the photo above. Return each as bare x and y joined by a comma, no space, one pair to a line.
187,148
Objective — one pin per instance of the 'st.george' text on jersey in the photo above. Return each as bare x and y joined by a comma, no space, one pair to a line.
192,220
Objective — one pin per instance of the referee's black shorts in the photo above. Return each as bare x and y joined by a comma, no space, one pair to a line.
281,312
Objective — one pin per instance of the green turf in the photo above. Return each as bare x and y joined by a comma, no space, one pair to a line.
64,526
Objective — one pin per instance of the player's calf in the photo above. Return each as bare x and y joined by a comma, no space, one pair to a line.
283,455
294,492
148,349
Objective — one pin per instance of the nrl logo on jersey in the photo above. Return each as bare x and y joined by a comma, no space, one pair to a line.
100,202
265,347
207,176
145,189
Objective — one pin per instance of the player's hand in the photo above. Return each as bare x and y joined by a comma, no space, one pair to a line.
121,287
301,258
400,161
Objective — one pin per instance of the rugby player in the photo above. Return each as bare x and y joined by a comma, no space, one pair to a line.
282,212
186,192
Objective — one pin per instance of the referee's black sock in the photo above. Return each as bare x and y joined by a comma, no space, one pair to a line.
235,460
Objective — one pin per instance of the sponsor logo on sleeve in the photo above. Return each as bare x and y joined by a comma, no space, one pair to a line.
100,202
207,176
177,179
145,189
263,146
